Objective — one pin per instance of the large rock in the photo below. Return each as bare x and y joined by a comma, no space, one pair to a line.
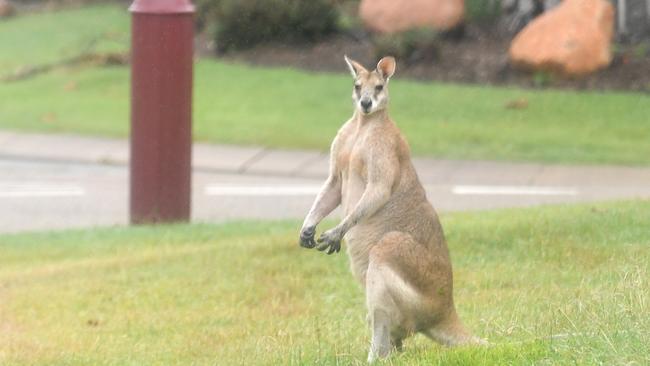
6,9
392,16
572,39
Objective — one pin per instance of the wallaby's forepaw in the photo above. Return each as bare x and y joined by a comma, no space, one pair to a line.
330,239
307,237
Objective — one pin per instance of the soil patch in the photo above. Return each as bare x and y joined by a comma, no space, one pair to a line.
479,57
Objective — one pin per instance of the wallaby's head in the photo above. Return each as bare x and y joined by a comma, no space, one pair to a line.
370,92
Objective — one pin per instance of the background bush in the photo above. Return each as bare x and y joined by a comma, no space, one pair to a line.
483,10
410,46
206,13
245,23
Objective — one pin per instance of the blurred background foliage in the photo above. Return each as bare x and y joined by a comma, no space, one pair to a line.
482,10
239,24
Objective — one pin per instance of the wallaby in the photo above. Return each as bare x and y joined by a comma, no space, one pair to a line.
395,241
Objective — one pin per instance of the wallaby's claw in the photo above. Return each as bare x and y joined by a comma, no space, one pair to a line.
334,248
331,240
307,237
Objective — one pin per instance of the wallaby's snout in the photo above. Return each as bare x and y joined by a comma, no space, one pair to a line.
366,104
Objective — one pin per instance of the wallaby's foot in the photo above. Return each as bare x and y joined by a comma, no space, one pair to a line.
397,344
477,341
379,349
376,355
382,350
453,334
307,237
381,345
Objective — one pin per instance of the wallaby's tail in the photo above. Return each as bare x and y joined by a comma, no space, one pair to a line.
451,332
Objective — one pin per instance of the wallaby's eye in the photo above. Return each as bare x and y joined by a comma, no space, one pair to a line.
379,88
357,87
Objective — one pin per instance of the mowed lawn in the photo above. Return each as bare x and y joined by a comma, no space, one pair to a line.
275,107
246,294
48,37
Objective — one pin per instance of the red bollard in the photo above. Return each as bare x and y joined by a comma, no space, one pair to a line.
161,110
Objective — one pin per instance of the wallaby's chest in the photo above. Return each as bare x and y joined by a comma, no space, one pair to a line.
352,157
352,162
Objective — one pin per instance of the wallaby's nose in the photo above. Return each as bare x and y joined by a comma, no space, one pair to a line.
366,104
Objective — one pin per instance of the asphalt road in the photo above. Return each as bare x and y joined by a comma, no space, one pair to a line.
39,195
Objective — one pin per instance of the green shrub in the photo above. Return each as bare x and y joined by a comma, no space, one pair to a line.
482,10
206,13
542,79
245,23
414,45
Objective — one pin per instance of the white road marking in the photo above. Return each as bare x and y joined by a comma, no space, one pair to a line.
291,190
28,190
514,191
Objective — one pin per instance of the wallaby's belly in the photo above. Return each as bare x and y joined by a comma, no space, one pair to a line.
407,211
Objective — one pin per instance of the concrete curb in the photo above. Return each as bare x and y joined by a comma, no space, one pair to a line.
92,150
65,148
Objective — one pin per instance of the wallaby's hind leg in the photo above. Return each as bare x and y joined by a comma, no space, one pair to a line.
380,346
383,314
397,343
419,283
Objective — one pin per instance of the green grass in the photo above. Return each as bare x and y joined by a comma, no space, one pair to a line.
286,108
51,36
245,293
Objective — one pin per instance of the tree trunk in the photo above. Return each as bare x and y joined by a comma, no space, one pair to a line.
622,16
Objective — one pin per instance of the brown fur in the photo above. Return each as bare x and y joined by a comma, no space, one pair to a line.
395,241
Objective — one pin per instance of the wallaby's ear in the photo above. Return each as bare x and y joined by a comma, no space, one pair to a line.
386,67
355,67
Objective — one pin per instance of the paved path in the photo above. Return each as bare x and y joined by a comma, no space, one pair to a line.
62,181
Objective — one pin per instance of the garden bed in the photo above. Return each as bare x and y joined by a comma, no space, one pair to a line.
480,57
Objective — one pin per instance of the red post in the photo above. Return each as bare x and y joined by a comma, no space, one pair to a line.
161,110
